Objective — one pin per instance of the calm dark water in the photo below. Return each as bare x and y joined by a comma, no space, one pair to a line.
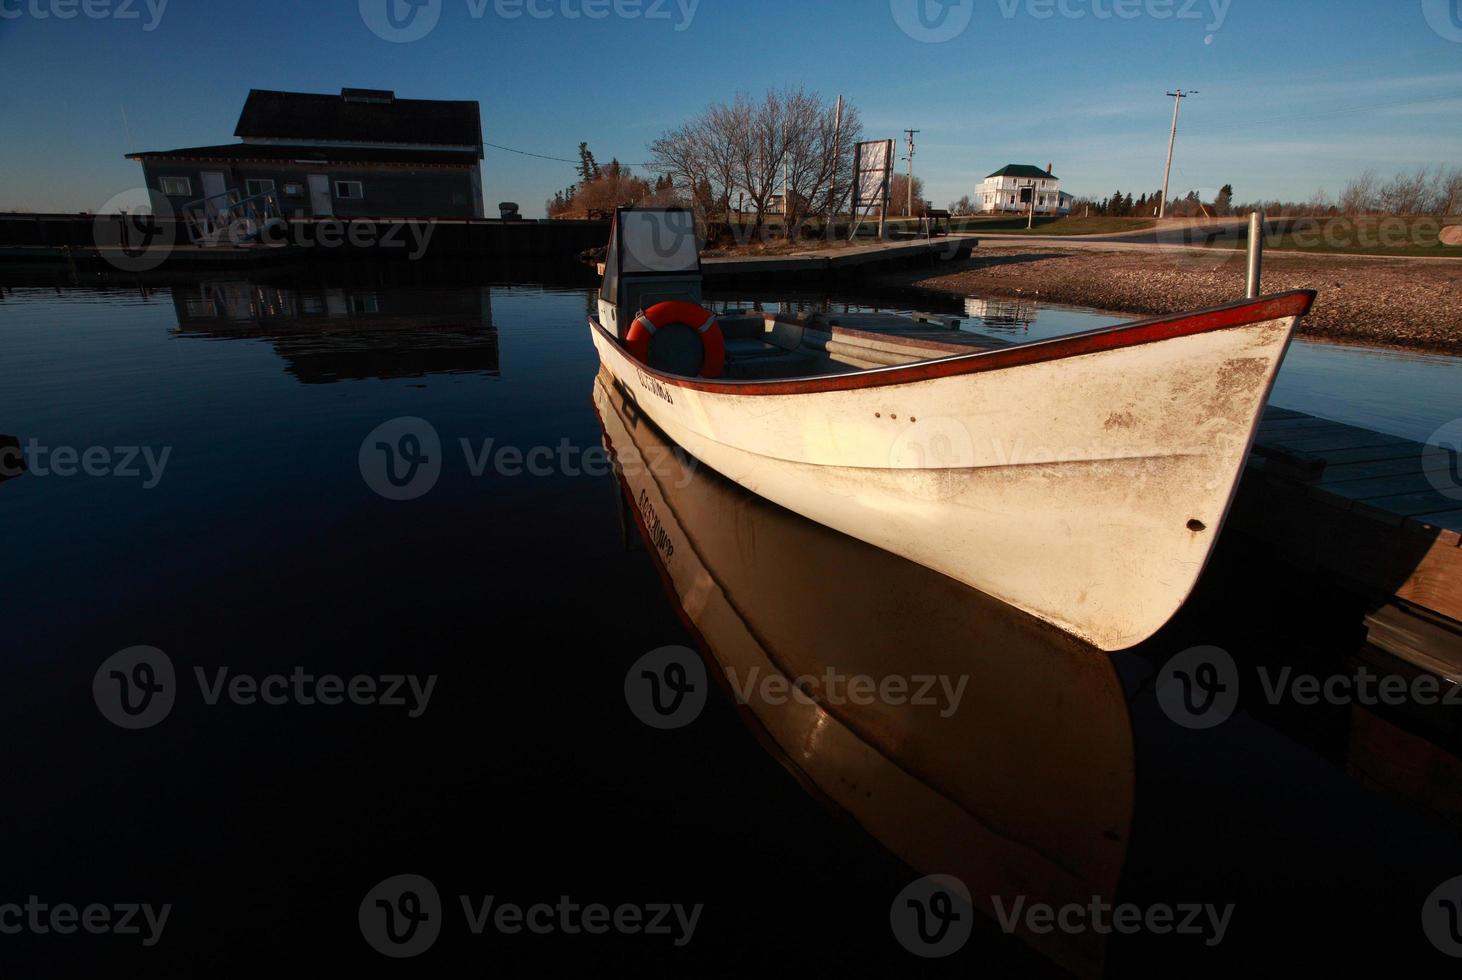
260,543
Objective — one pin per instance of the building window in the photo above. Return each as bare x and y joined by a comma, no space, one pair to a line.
176,186
349,190
259,187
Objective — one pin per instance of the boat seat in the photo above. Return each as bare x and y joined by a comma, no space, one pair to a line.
777,364
744,348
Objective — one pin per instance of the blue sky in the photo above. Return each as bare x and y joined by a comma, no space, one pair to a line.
1294,96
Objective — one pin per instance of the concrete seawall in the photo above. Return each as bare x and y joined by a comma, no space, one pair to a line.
100,241
836,263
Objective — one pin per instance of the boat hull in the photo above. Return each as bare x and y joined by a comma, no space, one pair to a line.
1083,481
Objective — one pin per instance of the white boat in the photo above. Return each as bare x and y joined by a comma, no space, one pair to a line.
1083,479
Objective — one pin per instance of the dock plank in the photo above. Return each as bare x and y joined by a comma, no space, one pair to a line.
1362,504
1277,426
1349,439
1384,467
1407,504
1368,454
1381,486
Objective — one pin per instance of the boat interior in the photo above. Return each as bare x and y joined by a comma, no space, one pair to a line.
654,257
765,345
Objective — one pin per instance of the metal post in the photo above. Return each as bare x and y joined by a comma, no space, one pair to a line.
1178,97
1256,253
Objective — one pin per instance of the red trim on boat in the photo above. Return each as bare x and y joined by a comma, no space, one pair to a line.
1237,314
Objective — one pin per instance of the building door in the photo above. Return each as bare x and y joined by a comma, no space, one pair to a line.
321,203
214,190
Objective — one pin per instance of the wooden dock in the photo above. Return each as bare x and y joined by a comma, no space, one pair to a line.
1381,513
832,263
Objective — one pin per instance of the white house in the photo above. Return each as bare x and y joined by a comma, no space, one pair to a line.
1001,191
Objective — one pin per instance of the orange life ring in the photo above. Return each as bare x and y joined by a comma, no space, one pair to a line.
679,313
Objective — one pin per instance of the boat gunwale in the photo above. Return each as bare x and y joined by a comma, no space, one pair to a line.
1239,313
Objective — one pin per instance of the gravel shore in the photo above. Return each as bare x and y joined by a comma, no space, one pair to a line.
1392,302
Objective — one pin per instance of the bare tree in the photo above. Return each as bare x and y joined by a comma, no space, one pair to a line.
1451,196
1359,195
819,155
788,141
898,195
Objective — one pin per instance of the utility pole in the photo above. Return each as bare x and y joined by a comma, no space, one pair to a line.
1178,97
911,133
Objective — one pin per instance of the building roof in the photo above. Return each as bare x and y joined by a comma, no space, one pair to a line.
277,152
1023,170
360,116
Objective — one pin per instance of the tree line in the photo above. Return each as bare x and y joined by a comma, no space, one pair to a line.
1434,191
739,157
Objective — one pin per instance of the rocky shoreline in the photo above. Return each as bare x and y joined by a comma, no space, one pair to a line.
1416,305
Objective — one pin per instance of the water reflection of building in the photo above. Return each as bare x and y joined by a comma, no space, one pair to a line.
329,333
1012,313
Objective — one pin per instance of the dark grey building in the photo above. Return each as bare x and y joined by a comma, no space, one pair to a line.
362,153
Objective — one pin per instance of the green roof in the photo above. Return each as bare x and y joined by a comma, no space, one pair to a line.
1022,170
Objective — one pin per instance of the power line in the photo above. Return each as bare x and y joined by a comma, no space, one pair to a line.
542,156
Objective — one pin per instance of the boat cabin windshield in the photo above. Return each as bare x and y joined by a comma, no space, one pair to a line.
654,255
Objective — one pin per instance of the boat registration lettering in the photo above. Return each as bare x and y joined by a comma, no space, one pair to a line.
658,534
654,387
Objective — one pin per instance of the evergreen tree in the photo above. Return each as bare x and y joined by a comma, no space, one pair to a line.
588,169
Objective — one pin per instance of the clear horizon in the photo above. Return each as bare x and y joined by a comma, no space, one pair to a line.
1079,84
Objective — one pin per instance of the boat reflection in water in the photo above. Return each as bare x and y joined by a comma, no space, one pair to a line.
328,333
1023,791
